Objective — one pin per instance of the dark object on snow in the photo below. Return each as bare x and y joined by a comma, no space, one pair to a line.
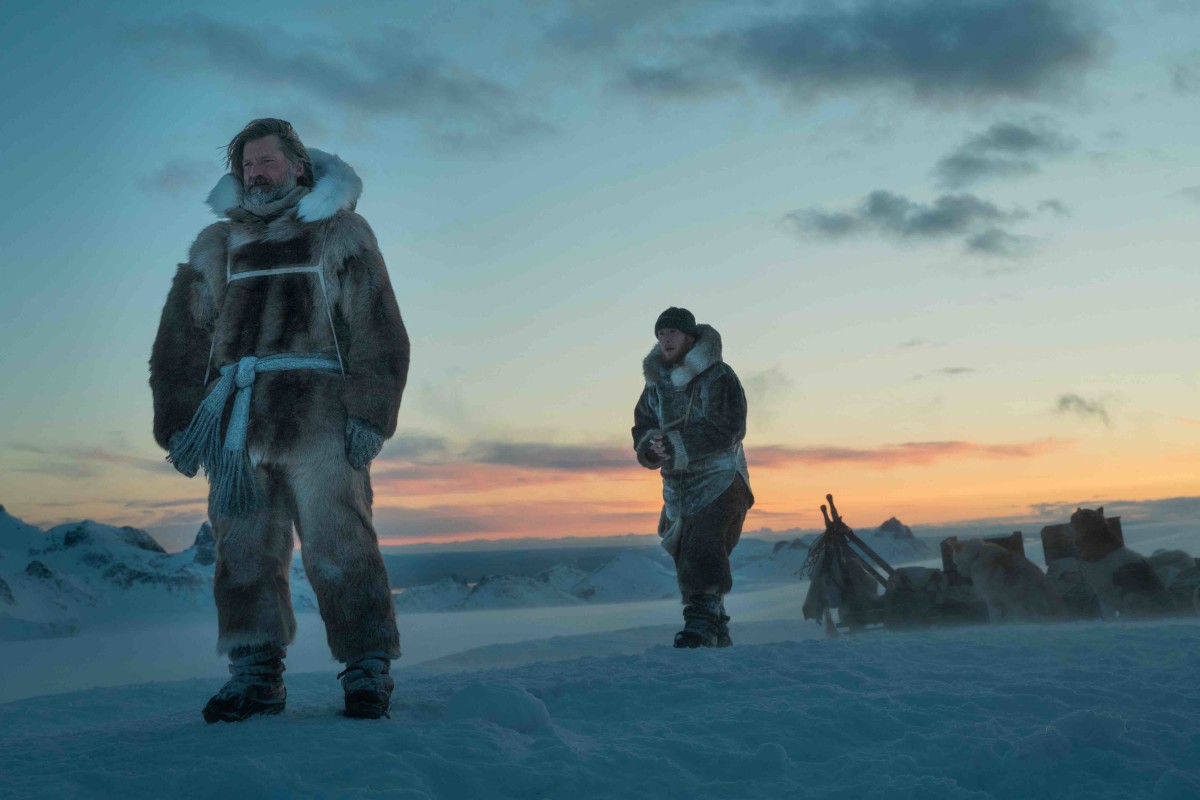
842,578
913,597
255,688
1063,569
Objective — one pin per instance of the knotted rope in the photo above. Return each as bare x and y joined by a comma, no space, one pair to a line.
228,466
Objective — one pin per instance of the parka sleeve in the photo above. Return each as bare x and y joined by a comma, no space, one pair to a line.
645,426
377,353
179,357
719,425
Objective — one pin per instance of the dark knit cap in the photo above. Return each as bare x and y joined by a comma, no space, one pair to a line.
678,318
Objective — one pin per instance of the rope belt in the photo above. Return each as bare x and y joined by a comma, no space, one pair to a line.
228,467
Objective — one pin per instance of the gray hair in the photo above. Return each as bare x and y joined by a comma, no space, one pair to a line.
293,148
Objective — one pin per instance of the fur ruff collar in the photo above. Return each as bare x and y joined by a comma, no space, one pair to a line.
336,186
704,353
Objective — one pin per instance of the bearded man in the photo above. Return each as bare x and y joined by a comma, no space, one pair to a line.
689,424
278,368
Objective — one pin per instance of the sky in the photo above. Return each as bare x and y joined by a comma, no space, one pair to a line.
949,246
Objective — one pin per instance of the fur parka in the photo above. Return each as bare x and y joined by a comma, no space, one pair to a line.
699,407
208,322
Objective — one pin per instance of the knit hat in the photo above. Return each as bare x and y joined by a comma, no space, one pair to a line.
678,318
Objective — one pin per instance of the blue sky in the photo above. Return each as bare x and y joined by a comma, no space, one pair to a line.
964,225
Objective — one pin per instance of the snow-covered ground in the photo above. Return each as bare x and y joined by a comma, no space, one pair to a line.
588,700
1076,711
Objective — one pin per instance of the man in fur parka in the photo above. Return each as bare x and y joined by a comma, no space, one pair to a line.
278,368
689,424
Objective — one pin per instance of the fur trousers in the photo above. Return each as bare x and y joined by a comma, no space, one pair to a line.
329,503
707,539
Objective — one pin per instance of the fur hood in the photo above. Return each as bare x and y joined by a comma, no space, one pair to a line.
705,353
336,186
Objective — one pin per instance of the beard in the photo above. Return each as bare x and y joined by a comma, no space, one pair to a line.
676,357
263,190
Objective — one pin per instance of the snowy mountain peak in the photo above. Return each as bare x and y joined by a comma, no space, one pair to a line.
896,529
515,591
895,542
94,534
17,537
628,576
794,544
205,547
562,577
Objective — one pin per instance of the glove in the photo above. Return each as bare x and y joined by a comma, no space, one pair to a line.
363,442
647,455
652,457
173,448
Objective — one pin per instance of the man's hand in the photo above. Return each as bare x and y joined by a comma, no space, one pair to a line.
173,445
661,448
363,442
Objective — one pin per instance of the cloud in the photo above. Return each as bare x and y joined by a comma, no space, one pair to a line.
66,471
1166,509
412,523
764,390
674,82
1006,149
898,455
1185,74
179,503
1192,193
569,458
948,372
385,73
180,176
1055,207
915,343
1000,243
418,448
444,402
1084,409
890,214
535,518
1018,139
934,50
602,26
490,466
84,463
962,169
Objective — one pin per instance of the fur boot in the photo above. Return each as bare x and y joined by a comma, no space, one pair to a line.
368,686
702,618
255,688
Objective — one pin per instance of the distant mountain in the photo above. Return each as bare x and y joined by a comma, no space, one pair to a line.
896,543
53,583
629,576
17,538
514,591
56,582
445,595
780,566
